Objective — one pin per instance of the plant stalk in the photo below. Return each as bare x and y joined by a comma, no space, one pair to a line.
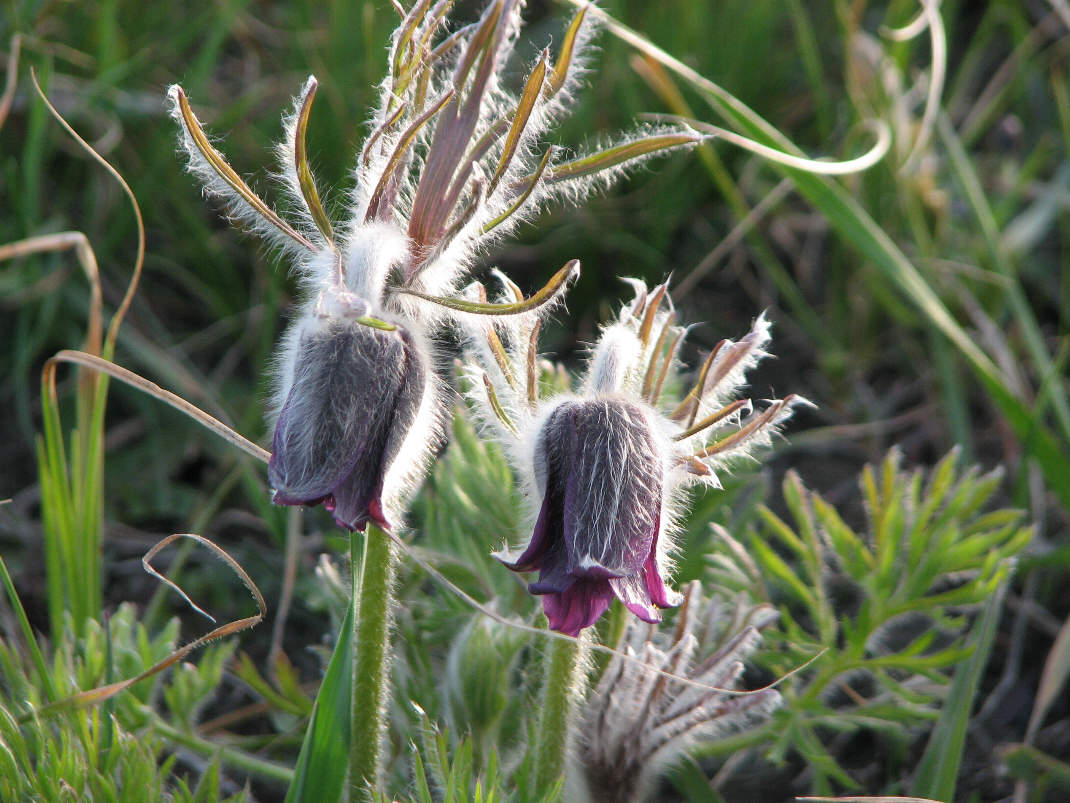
229,755
566,672
373,603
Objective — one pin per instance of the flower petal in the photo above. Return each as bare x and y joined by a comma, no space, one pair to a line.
660,594
613,488
633,593
547,533
645,592
577,607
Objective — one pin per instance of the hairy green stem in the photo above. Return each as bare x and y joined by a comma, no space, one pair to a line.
562,686
373,603
228,755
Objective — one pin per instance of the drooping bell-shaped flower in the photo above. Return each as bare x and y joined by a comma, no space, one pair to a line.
356,392
596,536
605,467
454,160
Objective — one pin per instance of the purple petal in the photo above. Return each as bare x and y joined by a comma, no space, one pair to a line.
642,592
633,593
556,578
353,504
547,531
333,408
578,607
660,594
359,498
597,531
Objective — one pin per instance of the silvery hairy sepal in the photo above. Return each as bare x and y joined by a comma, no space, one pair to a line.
453,162
639,721
605,468
356,392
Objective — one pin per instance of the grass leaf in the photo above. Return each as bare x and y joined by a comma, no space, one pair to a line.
939,766
322,765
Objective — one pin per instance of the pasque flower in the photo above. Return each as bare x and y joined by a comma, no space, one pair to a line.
453,162
605,467
596,535
339,453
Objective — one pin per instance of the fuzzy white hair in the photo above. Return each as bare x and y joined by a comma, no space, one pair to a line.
638,722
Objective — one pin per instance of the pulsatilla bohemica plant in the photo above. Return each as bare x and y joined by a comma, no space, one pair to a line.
452,163
608,465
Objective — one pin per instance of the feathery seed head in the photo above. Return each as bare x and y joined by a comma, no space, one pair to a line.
639,722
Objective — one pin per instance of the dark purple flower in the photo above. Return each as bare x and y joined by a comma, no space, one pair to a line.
356,390
610,463
596,537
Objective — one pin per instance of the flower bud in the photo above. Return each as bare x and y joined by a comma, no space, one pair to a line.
599,468
609,464
356,389
477,677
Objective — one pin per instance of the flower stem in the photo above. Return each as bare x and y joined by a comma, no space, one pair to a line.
374,561
229,755
566,671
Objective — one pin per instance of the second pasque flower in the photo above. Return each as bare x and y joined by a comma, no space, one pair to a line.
606,466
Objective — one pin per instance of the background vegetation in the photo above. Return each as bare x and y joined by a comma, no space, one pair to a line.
924,304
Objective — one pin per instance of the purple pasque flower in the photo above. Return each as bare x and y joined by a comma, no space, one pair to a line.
355,394
605,467
601,474
454,161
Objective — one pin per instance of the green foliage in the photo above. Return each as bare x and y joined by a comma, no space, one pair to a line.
442,775
108,752
858,227
72,496
63,760
470,492
938,771
481,680
1048,775
321,765
886,607
192,686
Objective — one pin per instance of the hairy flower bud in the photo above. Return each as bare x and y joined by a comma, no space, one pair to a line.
357,388
598,465
605,468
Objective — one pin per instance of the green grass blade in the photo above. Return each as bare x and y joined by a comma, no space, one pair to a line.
28,634
58,513
940,765
1052,680
320,774
970,183
856,226
851,221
